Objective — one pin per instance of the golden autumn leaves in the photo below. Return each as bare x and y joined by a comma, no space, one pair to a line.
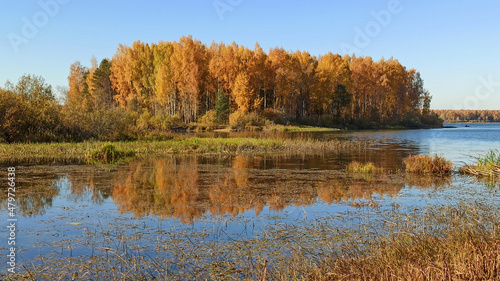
182,79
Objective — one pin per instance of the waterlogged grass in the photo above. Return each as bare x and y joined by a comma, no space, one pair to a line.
487,168
422,164
460,242
492,158
108,154
364,168
451,243
82,152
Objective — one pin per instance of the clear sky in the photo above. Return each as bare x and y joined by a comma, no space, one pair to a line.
454,44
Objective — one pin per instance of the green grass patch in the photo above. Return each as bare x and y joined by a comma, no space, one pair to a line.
487,167
492,158
67,153
108,153
364,168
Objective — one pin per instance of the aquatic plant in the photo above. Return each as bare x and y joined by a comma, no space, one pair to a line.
422,164
492,158
487,168
108,153
365,168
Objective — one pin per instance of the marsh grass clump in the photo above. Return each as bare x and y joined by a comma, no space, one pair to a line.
487,167
492,158
365,168
422,164
108,153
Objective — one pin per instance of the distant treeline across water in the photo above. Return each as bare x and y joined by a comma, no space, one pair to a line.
449,115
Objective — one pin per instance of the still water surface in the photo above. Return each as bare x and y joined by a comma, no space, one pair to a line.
63,209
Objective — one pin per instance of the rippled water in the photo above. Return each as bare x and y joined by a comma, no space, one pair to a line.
73,210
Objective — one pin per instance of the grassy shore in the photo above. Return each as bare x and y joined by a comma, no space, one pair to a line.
81,152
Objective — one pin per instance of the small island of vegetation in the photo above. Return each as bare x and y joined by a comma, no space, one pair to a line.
149,89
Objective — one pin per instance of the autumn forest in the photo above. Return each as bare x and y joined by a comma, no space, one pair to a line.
178,85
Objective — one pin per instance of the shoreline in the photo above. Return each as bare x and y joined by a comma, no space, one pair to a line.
80,153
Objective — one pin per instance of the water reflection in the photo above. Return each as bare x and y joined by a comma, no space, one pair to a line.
34,196
189,187
38,186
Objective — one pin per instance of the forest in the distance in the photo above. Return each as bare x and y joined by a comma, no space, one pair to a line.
152,88
451,116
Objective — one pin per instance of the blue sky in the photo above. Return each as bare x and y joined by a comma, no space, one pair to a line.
454,44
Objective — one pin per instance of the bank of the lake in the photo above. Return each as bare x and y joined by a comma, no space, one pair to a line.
79,152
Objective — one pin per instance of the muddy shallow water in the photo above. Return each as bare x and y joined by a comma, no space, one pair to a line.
165,206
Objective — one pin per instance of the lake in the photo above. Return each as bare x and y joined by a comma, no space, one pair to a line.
172,207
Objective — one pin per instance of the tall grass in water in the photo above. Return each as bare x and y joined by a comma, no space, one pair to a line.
492,158
422,164
487,166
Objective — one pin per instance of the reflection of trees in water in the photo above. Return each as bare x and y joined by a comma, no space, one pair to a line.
94,181
166,187
35,191
37,186
186,187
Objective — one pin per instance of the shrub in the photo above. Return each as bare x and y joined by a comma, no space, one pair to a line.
174,122
108,153
274,116
144,121
422,164
209,118
239,121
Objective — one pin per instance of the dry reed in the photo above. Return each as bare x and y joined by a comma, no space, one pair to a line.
421,164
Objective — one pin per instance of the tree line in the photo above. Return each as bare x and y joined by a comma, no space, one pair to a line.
468,115
166,85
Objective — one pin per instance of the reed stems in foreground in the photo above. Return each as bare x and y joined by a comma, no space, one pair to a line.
459,242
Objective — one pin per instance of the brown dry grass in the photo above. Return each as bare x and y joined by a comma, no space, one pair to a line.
460,242
422,164
467,249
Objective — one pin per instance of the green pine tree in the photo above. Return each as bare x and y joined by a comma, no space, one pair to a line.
222,107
